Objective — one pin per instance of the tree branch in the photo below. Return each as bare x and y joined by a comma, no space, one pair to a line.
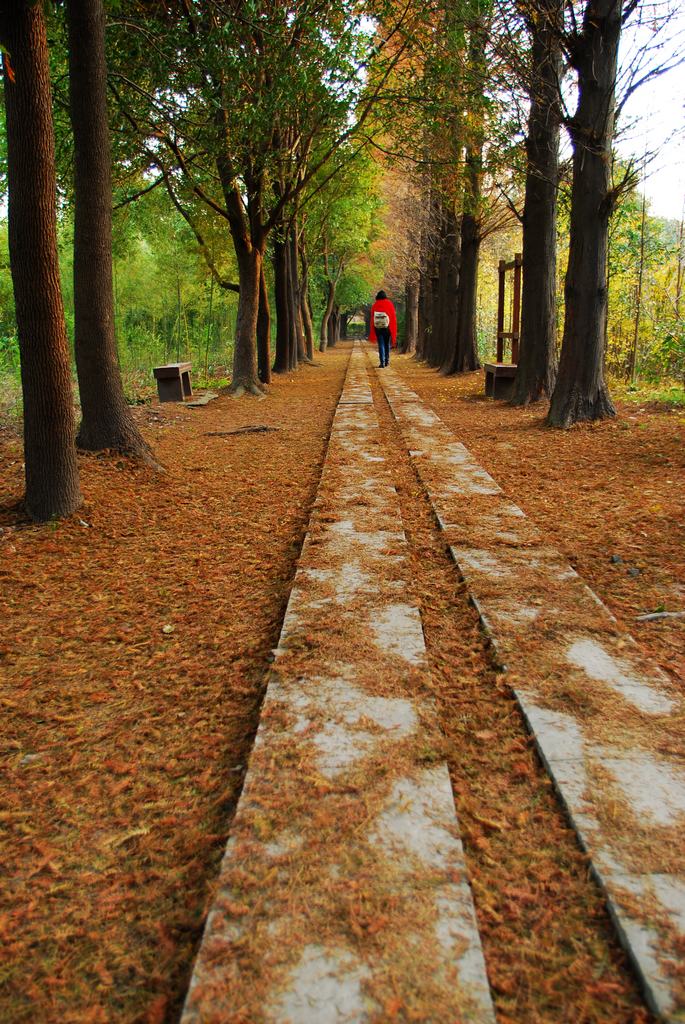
139,194
204,249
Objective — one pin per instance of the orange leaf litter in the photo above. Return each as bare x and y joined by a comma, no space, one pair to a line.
125,742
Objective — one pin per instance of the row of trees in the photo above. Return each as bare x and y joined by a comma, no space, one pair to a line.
480,167
241,115
168,307
255,122
645,325
52,482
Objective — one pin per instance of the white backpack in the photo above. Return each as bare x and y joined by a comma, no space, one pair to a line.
380,319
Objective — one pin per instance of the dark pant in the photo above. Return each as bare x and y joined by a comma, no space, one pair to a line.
383,335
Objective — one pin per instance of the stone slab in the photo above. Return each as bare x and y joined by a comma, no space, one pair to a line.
605,722
203,399
343,889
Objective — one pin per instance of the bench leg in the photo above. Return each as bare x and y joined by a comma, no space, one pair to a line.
187,387
503,387
170,389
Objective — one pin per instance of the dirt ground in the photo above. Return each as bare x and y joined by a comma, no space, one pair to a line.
135,642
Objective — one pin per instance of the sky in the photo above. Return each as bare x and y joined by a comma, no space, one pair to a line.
654,120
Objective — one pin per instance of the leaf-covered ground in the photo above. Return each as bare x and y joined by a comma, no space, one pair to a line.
551,953
133,653
134,643
610,496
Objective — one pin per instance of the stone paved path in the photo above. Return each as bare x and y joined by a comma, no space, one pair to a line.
343,894
608,727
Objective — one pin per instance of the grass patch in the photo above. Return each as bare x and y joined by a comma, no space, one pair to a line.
11,404
665,393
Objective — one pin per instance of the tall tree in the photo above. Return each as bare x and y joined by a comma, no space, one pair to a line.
106,418
263,332
296,292
305,299
473,231
464,354
537,362
411,303
52,481
581,392
446,315
283,360
332,275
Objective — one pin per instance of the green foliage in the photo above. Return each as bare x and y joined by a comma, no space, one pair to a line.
661,326
356,286
669,394
162,289
277,73
166,306
342,220
9,346
9,353
661,331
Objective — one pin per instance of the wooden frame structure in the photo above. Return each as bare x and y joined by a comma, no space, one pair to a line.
499,376
515,333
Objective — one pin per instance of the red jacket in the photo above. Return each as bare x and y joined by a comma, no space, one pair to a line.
384,306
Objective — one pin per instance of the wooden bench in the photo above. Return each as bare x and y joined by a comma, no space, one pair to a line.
499,379
173,382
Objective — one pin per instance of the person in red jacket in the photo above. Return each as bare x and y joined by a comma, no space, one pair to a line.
383,327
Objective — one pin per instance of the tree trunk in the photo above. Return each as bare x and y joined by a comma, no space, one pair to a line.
106,418
465,352
465,355
412,315
297,332
292,333
402,338
263,331
245,377
437,352
424,298
304,305
289,324
330,302
424,314
280,265
450,298
296,290
52,481
430,283
581,392
537,362
249,242
638,293
333,328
